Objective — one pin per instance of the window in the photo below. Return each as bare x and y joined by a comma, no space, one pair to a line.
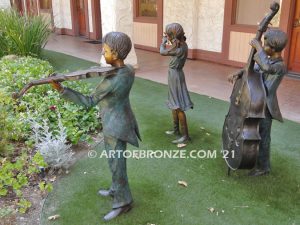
45,4
147,8
251,12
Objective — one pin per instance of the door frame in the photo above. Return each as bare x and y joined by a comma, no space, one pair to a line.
75,18
96,19
290,30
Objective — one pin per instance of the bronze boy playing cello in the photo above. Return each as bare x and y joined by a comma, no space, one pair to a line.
270,65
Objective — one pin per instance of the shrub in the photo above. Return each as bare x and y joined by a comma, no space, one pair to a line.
42,100
22,35
52,145
5,129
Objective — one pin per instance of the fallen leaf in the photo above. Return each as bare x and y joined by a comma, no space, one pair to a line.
53,217
211,209
181,145
207,134
202,128
241,206
183,183
52,179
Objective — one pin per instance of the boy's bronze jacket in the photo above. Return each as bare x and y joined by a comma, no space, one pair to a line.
272,71
112,97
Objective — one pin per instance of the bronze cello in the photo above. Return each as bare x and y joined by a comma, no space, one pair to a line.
247,107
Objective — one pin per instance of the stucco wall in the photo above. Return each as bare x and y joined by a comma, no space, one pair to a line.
62,13
202,21
210,25
4,4
90,16
183,12
116,15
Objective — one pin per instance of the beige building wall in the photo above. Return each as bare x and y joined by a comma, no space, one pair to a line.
90,16
117,15
239,47
62,13
202,21
4,4
185,13
145,34
210,25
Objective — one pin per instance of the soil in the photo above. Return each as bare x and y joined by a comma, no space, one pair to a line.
31,217
35,196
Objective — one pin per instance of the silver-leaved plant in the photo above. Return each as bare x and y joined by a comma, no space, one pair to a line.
52,145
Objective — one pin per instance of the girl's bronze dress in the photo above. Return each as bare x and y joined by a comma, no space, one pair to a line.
178,95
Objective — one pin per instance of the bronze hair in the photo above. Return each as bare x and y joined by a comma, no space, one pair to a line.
276,39
175,30
118,42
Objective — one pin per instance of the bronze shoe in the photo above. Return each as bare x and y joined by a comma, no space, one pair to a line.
182,139
258,172
116,212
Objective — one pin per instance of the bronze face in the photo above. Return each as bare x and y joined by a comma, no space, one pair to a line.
109,55
268,49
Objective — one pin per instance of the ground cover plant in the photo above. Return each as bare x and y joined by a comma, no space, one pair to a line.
18,173
211,197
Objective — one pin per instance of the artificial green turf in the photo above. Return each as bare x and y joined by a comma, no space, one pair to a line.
158,199
62,63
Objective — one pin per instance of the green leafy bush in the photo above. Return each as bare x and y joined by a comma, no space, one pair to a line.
15,175
5,130
22,35
41,101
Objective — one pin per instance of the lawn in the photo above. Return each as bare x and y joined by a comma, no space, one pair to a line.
158,199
